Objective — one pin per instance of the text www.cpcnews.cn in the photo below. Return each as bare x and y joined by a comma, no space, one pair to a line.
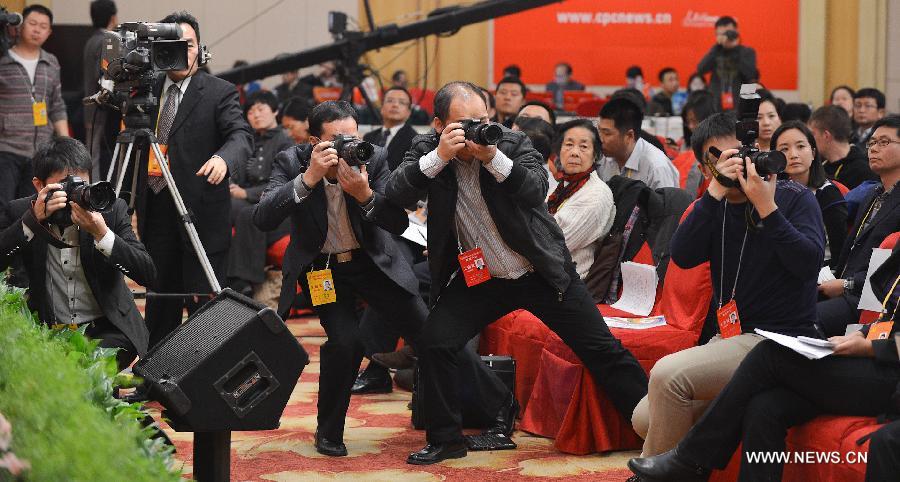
808,457
611,18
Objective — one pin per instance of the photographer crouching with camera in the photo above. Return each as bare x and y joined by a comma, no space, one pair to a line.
494,248
76,256
764,240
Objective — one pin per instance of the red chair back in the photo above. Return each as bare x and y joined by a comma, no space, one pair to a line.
842,188
424,98
571,99
590,107
322,94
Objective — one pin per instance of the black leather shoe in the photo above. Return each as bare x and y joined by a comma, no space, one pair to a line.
141,394
505,421
330,447
372,380
668,466
398,360
434,453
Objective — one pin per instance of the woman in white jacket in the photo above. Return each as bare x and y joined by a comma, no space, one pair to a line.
581,203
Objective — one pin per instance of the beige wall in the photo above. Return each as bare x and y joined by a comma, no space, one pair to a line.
892,54
291,26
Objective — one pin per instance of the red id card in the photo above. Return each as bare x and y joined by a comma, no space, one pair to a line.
729,320
474,268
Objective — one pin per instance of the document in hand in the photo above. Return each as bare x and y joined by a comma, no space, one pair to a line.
635,323
639,288
417,234
808,350
825,275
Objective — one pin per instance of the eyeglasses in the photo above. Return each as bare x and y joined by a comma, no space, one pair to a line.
864,106
882,143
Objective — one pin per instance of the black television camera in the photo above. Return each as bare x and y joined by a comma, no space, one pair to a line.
354,150
131,57
484,133
7,19
92,197
747,130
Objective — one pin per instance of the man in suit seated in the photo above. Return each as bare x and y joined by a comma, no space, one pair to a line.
76,258
395,134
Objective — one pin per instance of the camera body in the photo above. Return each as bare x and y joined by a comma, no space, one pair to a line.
138,48
484,133
355,151
747,131
99,197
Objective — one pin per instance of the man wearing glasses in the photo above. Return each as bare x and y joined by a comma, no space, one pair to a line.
868,107
878,216
395,134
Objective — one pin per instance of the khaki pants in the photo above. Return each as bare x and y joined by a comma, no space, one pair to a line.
681,387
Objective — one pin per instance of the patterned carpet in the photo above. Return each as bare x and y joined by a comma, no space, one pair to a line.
379,436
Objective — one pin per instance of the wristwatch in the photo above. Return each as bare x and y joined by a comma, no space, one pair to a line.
848,284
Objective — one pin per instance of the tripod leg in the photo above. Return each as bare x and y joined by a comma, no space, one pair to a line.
186,219
114,162
124,167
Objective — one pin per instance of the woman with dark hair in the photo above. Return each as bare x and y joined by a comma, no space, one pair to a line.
696,83
700,104
804,166
842,95
769,118
581,203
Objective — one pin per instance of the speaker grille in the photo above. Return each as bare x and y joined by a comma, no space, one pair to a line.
198,338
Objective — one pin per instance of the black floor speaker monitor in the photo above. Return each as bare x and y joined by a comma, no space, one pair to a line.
231,366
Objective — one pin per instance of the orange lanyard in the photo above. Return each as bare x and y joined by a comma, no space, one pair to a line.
887,300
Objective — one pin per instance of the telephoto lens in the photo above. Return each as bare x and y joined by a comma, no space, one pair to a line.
768,162
484,133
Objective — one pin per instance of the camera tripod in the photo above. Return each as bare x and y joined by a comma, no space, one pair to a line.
137,132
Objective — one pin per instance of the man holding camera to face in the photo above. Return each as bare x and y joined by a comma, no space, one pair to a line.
486,187
76,257
731,63
764,240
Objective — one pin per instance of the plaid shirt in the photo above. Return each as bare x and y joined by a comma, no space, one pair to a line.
18,133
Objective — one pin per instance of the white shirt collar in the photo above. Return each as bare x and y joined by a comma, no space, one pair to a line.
182,85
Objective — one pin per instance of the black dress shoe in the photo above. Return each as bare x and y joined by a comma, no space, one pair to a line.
330,447
141,394
505,421
398,360
372,380
434,453
668,466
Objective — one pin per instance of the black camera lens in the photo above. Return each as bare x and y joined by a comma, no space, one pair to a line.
95,197
484,133
362,151
769,162
353,150
170,54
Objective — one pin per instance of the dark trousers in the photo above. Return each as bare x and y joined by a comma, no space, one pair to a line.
884,454
177,267
836,313
15,182
111,337
354,281
774,389
461,313
247,254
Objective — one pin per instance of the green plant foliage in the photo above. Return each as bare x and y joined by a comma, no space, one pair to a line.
56,390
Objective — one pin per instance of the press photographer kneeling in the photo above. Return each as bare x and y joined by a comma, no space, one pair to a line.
75,257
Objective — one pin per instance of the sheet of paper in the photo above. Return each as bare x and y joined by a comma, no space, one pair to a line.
825,275
635,323
809,351
417,234
638,288
868,301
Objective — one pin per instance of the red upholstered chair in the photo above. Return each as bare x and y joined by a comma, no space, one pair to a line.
423,98
275,253
590,107
571,99
545,97
684,162
560,398
842,188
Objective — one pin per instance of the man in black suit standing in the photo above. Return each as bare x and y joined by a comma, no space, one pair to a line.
345,241
395,134
201,125
80,282
493,248
101,123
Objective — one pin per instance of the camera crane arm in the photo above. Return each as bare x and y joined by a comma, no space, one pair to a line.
350,48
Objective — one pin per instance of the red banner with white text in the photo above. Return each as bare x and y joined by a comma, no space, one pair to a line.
601,39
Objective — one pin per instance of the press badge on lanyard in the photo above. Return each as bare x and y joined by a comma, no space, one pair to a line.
39,111
153,168
881,329
474,268
321,285
727,315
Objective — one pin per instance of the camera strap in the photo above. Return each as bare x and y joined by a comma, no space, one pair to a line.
43,231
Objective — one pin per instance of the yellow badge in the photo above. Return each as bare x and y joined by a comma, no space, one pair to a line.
39,109
321,287
153,168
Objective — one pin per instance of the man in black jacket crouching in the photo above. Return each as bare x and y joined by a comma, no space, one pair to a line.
486,204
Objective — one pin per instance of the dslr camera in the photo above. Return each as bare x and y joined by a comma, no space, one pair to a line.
92,197
484,133
747,130
354,150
